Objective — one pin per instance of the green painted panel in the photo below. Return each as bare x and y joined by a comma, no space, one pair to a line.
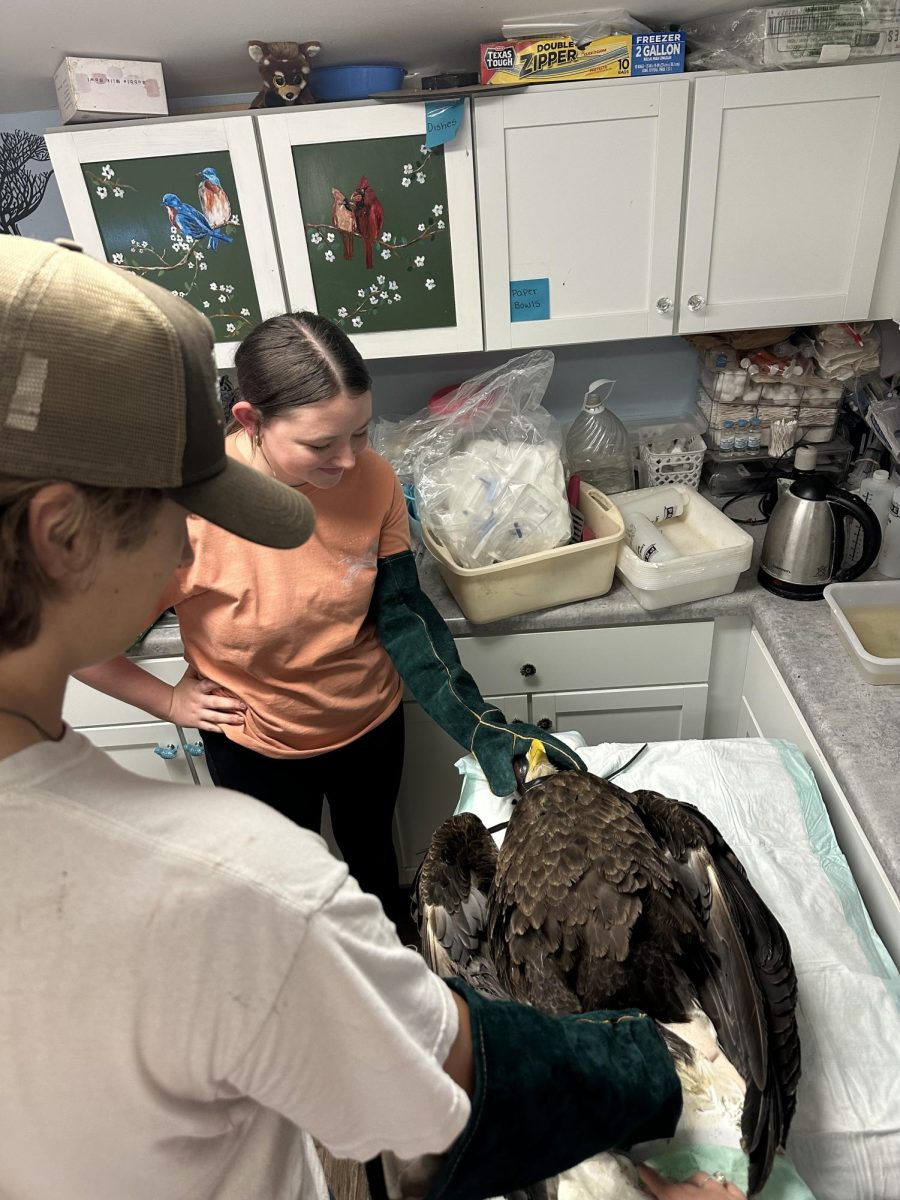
196,248
405,217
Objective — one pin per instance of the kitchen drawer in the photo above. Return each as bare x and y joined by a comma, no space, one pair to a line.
85,706
649,714
133,747
585,659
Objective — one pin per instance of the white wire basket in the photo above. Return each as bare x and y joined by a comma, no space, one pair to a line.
665,464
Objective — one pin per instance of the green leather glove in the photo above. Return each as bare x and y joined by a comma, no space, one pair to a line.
550,1091
419,643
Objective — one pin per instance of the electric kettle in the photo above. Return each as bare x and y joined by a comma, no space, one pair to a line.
804,546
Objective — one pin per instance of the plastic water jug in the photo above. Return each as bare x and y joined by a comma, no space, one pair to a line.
597,445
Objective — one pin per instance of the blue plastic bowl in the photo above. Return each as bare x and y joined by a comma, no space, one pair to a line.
354,81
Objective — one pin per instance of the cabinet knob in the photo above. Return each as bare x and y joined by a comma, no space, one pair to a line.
527,669
166,751
663,304
695,302
195,749
545,723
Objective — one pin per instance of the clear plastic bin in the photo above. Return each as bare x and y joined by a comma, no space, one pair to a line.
715,414
826,393
854,596
729,386
546,580
818,424
801,391
787,392
714,552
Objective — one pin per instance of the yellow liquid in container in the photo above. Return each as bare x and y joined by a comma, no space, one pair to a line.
877,627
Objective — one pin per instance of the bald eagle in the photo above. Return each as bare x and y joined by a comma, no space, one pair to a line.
601,898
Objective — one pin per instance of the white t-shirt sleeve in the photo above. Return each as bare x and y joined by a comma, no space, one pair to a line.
353,1047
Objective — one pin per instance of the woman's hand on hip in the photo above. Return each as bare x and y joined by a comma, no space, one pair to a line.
200,703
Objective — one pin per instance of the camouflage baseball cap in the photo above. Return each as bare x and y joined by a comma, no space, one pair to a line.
109,380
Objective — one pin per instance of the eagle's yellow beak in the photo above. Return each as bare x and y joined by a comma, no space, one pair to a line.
537,760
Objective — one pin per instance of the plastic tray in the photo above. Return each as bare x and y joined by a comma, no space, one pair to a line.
864,595
715,553
555,577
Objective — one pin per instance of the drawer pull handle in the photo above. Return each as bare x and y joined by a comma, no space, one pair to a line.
695,302
545,723
195,749
527,669
166,751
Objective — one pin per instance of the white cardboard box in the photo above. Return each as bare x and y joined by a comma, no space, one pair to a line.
103,89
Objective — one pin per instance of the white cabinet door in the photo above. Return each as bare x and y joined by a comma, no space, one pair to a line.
580,187
117,182
654,714
85,705
430,787
789,182
769,710
394,263
134,746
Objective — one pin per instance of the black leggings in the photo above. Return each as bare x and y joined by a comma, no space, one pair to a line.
360,781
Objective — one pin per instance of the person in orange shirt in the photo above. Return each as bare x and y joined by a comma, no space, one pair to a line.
297,660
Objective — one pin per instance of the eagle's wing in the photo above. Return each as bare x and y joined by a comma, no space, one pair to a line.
574,877
746,983
450,901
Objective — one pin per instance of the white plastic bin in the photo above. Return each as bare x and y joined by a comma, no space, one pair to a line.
853,596
545,580
714,552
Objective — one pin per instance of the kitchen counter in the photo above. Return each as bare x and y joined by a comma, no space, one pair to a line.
856,725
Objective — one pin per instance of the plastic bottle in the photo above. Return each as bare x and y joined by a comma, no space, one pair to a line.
878,492
889,559
657,504
649,543
597,445
754,437
862,471
740,437
726,441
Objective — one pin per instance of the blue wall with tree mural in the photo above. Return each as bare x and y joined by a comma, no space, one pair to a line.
22,178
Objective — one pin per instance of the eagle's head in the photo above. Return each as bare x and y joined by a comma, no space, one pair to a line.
539,765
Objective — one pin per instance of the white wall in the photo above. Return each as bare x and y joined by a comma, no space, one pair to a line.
203,47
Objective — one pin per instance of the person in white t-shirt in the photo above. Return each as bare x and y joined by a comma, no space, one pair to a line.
192,987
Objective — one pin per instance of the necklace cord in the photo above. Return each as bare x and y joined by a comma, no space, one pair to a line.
14,712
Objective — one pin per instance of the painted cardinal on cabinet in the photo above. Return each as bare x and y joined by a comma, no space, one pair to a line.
369,217
344,219
213,198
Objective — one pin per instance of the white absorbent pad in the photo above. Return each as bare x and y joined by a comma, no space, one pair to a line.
845,1138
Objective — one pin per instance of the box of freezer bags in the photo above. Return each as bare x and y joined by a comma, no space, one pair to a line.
560,59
